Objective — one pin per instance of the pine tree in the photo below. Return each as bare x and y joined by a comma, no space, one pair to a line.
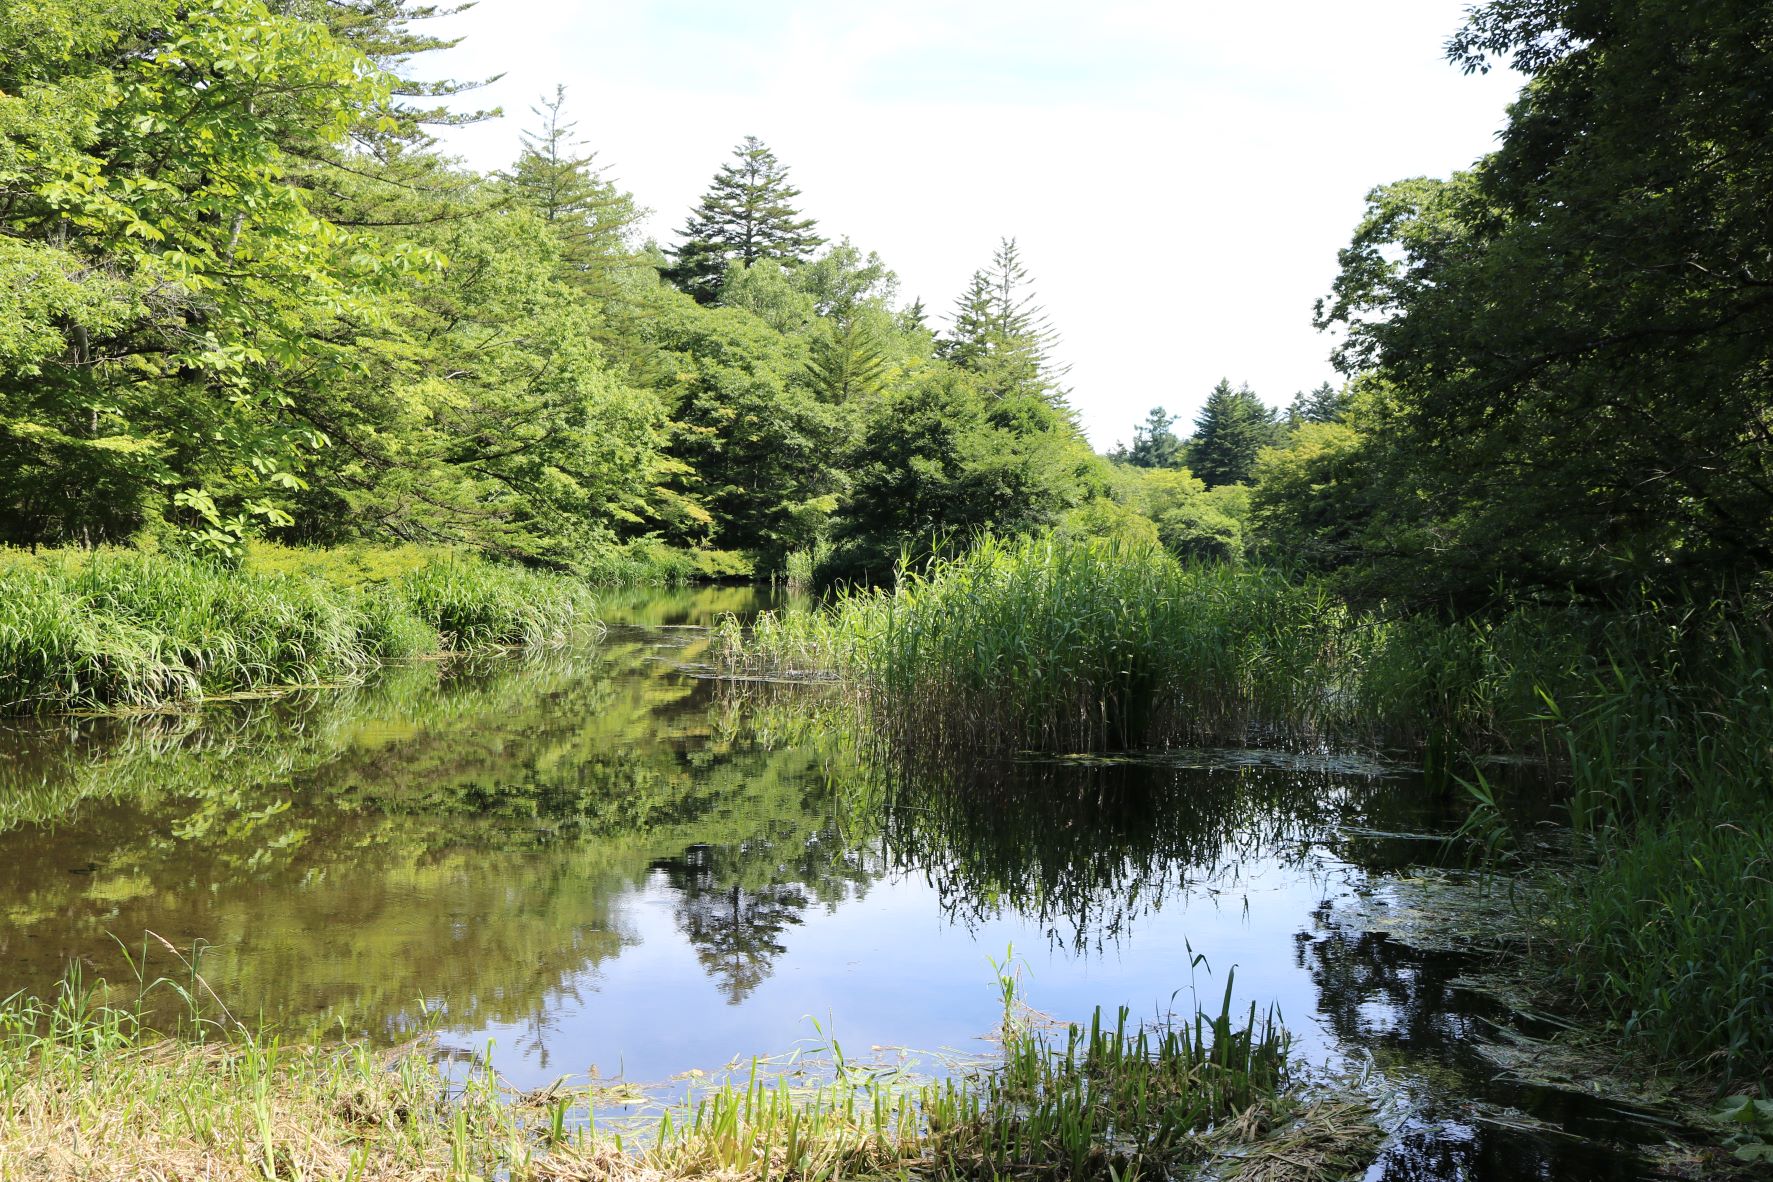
591,217
1155,445
746,215
1001,333
1326,404
1230,431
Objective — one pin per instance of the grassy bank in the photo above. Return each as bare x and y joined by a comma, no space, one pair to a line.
125,629
1652,721
89,1093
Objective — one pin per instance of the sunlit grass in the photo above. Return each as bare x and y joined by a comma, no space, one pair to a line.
91,1093
1053,644
122,628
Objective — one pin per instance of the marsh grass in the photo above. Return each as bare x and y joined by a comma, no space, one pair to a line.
1054,644
127,629
90,1092
1671,779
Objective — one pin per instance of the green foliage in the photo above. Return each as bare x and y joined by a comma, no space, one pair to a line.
747,215
591,218
1575,337
127,629
1229,433
1311,497
1105,517
1325,404
244,296
1200,530
942,459
1155,445
1001,334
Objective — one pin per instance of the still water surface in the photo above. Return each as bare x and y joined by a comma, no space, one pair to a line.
603,861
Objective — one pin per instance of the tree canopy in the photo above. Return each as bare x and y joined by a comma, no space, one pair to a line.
747,215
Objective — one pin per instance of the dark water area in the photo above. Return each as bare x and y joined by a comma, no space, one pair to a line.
599,861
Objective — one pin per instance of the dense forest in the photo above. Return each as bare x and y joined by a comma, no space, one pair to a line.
249,295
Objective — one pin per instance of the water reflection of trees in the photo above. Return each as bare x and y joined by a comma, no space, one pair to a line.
1085,849
462,835
735,903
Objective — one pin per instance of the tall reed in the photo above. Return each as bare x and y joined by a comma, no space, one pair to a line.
1653,719
1059,644
1670,775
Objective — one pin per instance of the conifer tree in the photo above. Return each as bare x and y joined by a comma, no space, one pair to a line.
747,214
1155,445
850,356
1001,333
1325,404
1231,430
590,216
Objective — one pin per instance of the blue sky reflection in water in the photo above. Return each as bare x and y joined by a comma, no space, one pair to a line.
598,860
887,968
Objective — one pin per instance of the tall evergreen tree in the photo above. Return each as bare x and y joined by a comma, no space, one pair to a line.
590,217
1155,445
747,214
1325,404
850,356
1001,333
1230,431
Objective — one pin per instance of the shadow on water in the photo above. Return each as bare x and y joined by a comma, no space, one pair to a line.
596,861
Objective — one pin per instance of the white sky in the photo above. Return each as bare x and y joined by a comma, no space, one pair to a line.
1180,175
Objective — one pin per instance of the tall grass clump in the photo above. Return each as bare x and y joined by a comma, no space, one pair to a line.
127,629
1060,644
1111,1101
475,604
1670,774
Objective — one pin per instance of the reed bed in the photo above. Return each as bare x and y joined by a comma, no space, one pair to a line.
1055,644
124,629
1670,777
90,1093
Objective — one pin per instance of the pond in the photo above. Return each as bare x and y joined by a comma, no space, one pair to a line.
606,861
